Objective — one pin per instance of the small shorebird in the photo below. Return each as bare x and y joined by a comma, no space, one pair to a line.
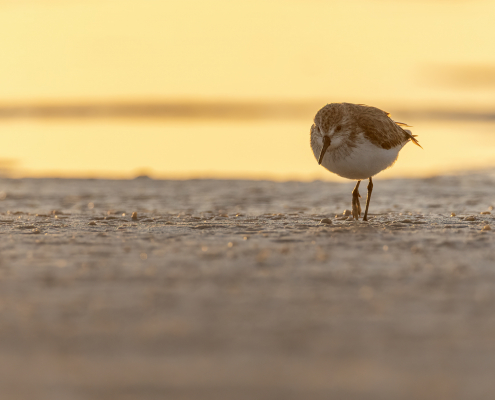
357,142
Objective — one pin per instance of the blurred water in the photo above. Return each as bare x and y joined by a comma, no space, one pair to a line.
252,148
62,58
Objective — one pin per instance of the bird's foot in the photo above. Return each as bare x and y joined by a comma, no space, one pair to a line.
356,206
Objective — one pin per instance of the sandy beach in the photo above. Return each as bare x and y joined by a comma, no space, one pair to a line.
235,289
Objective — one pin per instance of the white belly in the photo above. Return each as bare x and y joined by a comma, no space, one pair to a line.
364,161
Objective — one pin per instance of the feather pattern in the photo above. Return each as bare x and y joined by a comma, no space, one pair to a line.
376,124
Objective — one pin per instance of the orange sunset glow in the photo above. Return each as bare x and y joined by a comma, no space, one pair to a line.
409,58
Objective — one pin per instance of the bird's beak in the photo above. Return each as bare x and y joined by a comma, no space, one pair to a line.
326,143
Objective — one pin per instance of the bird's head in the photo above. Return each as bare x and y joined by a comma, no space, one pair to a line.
326,137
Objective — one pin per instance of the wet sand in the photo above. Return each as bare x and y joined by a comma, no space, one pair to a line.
236,290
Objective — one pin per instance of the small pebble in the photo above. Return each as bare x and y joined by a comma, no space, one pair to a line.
487,228
347,213
470,219
134,216
485,212
92,223
326,221
453,214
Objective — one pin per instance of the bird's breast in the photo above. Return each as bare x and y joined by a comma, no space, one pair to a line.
361,161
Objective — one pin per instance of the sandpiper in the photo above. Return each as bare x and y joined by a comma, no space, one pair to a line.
357,142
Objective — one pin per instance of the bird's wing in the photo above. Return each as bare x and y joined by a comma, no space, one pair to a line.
379,129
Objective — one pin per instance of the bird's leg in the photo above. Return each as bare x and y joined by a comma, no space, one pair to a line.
356,207
370,189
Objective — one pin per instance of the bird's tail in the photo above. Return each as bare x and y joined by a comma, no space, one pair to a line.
412,137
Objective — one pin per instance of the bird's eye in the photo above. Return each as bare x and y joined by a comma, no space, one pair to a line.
338,128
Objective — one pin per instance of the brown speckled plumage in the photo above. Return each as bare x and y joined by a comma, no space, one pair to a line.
374,123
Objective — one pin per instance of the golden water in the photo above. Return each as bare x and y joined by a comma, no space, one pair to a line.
261,149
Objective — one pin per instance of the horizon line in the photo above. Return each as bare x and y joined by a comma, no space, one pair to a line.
215,109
